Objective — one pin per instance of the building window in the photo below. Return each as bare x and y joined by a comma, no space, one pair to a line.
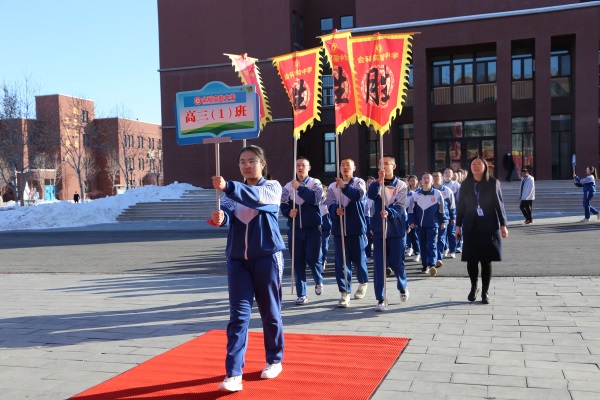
329,152
347,22
522,73
326,25
86,140
408,102
406,162
328,91
373,156
560,72
562,140
85,116
464,78
522,144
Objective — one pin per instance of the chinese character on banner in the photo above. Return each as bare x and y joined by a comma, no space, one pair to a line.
250,75
381,70
338,50
301,73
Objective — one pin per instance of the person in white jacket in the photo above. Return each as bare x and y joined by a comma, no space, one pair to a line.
527,195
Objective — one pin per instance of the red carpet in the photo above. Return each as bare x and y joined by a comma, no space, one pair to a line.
314,367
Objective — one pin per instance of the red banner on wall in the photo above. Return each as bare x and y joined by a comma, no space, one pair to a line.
250,75
381,70
301,74
339,51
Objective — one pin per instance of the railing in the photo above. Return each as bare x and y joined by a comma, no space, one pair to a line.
560,86
522,90
409,98
440,96
463,94
487,92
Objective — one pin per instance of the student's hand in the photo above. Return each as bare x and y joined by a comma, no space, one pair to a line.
384,214
295,184
219,183
458,233
504,231
340,183
293,213
339,211
412,226
218,216
381,176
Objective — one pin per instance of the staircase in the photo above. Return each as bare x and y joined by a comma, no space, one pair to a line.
197,205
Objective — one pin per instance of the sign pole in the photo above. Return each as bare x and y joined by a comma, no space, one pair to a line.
383,225
343,231
217,141
293,208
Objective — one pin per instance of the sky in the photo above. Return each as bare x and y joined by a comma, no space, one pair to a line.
105,51
66,214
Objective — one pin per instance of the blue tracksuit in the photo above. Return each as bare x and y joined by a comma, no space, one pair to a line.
451,228
254,268
369,210
325,231
307,248
395,205
426,210
413,237
589,188
354,231
450,211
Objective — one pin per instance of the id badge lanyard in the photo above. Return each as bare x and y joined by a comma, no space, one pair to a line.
479,209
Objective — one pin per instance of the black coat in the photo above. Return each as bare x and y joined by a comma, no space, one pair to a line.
481,234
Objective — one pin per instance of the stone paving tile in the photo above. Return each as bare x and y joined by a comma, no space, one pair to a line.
488,380
507,392
527,372
546,383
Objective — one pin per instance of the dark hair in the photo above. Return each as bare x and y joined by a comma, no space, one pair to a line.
347,158
303,158
390,156
593,171
524,170
486,173
260,153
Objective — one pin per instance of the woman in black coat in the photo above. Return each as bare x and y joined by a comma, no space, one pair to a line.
481,220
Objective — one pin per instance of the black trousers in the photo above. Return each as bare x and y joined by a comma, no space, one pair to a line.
486,274
526,208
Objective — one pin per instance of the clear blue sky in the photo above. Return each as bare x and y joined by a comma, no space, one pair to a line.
105,51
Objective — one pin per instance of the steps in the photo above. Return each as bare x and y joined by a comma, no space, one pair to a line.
197,205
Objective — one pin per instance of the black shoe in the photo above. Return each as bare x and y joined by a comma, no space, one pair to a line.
388,271
473,294
485,299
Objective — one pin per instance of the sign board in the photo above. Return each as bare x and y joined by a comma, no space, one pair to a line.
217,111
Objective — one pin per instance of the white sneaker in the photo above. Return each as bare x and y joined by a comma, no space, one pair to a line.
324,265
598,216
319,290
344,301
417,258
361,291
380,307
271,371
301,300
439,264
231,384
404,296
432,271
584,220
410,252
459,249
446,253
452,255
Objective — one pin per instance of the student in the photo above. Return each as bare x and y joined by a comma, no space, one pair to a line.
352,215
450,211
307,192
254,263
454,186
369,212
394,194
325,228
413,238
426,214
589,188
527,195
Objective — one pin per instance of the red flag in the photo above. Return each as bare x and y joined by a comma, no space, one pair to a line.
301,73
339,51
381,69
250,75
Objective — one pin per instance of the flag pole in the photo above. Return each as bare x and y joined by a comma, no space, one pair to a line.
217,141
342,230
383,224
293,208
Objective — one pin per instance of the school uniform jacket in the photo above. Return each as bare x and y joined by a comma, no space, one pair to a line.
395,205
527,191
448,196
252,212
427,209
308,197
588,183
353,203
325,218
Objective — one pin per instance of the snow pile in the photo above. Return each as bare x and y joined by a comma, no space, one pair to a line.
62,214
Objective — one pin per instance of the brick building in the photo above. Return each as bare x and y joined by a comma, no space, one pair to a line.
486,78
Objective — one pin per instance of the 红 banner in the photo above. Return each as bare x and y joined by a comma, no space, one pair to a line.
250,75
381,70
338,50
301,74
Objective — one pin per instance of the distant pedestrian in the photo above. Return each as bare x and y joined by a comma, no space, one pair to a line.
589,188
527,195
481,219
76,197
325,229
509,165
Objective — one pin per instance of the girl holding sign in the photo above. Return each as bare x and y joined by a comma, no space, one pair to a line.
589,188
254,263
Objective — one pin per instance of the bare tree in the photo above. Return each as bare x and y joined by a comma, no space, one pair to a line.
17,111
